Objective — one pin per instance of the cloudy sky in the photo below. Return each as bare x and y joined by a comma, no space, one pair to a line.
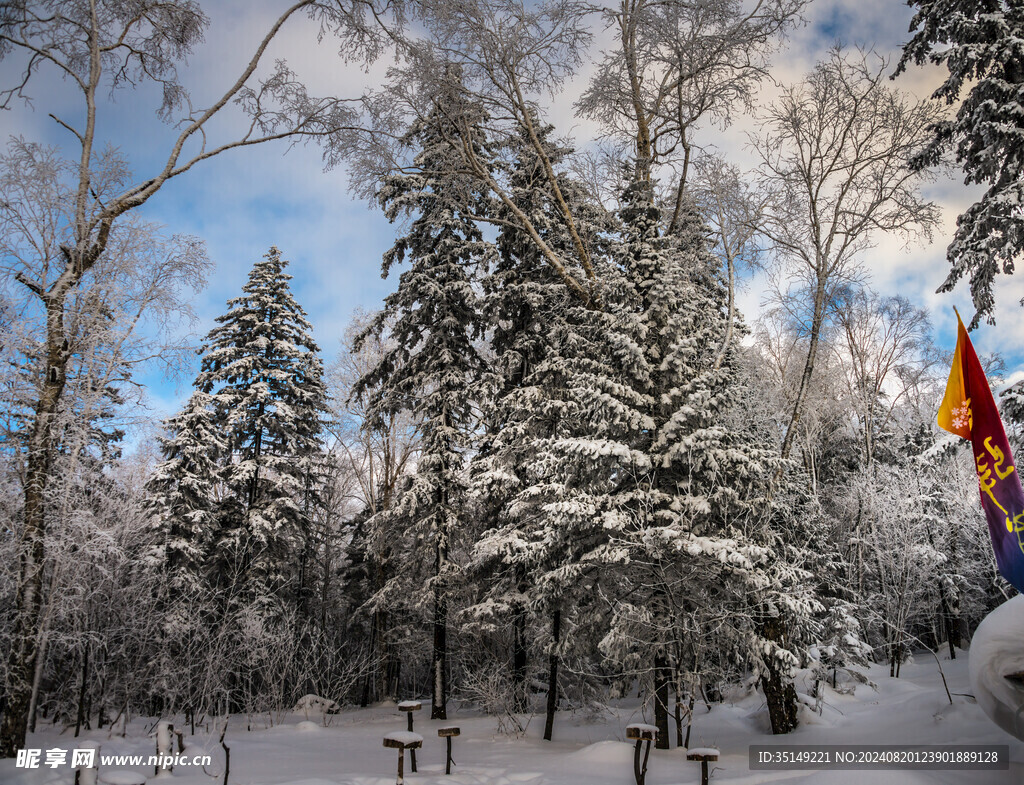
243,202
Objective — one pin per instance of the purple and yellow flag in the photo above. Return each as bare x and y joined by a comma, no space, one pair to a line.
968,410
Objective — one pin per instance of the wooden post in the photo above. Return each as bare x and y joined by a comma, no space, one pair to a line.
643,734
409,707
88,766
447,733
704,755
164,749
402,741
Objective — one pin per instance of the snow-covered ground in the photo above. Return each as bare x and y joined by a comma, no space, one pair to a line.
589,748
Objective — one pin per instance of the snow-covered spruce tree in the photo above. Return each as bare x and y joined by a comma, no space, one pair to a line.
981,43
183,494
537,341
692,526
182,505
262,371
433,368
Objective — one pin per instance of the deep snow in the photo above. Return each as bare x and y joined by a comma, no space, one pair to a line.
589,747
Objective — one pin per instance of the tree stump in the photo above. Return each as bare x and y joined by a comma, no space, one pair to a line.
402,741
642,734
409,707
447,733
703,754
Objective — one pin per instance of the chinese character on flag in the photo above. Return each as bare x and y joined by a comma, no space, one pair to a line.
968,410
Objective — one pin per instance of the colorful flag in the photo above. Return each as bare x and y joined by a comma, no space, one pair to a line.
968,410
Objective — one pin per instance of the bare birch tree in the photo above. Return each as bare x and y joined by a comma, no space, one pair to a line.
834,155
886,352
732,208
675,65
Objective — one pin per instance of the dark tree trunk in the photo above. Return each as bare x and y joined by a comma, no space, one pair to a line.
778,690
678,715
388,666
439,659
556,631
519,662
689,716
80,718
519,649
662,683
782,705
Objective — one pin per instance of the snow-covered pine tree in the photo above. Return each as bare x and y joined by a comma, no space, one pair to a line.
433,368
182,508
981,43
262,371
182,496
538,343
690,528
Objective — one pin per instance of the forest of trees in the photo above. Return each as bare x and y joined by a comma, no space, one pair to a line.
558,464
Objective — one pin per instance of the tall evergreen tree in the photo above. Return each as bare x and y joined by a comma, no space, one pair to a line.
183,495
981,44
690,524
433,367
259,411
182,505
539,338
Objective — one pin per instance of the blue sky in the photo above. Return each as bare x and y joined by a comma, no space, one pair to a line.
243,202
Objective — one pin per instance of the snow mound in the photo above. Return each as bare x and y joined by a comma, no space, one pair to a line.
613,753
307,726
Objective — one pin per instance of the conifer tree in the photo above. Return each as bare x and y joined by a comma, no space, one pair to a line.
262,370
695,510
433,368
182,507
539,340
183,495
981,44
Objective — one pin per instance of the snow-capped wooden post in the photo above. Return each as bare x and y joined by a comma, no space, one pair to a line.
703,754
87,766
409,707
403,740
446,733
641,733
164,750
